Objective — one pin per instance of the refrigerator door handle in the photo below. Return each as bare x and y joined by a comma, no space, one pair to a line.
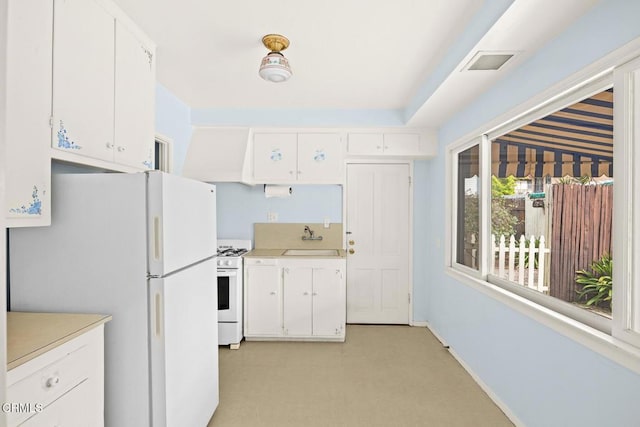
157,238
158,316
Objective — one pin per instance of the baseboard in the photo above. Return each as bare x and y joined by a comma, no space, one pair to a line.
420,324
499,403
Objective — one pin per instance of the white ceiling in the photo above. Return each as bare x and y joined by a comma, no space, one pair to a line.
345,54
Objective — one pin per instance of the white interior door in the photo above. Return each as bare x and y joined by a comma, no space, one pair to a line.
378,243
184,346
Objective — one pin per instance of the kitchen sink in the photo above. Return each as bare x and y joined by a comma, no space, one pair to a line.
312,252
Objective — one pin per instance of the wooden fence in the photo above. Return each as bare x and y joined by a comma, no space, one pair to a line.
581,233
523,261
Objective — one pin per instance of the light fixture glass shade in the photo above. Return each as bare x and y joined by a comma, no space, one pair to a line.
275,68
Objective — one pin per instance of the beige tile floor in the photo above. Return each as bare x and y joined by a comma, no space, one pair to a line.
391,376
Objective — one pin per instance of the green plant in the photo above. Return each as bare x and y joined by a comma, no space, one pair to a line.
597,284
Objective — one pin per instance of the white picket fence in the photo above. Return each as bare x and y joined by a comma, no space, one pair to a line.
531,275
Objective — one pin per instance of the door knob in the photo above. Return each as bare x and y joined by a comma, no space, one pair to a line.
351,242
351,251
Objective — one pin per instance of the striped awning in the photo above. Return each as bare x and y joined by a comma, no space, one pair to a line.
575,141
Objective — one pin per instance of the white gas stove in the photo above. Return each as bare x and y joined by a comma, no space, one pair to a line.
230,291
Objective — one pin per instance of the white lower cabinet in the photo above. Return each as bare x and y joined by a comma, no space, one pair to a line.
62,387
263,296
314,298
310,299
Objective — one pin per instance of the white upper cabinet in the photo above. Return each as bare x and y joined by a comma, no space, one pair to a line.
320,158
83,78
103,88
275,157
397,144
304,158
28,110
134,100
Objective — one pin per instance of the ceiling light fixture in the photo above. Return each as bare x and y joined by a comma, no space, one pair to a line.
275,67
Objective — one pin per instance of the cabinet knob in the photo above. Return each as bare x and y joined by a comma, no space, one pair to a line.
314,294
121,148
272,293
351,243
305,293
109,145
290,172
351,251
52,381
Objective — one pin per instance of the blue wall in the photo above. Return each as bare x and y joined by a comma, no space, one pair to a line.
173,120
240,206
543,377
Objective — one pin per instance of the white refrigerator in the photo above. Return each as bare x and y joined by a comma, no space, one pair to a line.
142,248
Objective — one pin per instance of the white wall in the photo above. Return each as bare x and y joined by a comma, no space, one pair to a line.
544,378
3,230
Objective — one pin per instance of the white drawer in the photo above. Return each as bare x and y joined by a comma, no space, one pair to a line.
68,411
50,382
260,261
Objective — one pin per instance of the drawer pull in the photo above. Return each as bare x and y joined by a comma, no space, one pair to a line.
52,381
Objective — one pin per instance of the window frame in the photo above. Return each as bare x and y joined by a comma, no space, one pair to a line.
626,295
611,338
166,153
453,154
563,100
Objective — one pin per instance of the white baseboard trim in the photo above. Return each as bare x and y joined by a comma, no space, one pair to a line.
499,403
420,324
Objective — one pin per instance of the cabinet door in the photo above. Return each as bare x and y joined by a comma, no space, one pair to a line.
329,304
28,100
263,301
365,143
275,157
83,76
134,100
320,158
401,143
297,300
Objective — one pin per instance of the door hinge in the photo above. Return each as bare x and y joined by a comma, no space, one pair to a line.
51,122
409,180
409,295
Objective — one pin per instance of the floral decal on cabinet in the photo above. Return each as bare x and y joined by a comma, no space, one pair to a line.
64,141
320,156
276,155
34,208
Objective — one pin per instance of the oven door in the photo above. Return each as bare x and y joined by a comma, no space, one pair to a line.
228,296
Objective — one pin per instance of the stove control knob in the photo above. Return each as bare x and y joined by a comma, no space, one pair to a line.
228,262
219,262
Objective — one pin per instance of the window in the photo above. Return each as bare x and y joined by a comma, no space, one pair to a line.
556,238
537,211
467,191
163,154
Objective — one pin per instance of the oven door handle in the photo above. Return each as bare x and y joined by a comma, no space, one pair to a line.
227,273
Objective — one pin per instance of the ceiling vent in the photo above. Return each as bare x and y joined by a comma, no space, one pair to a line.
492,61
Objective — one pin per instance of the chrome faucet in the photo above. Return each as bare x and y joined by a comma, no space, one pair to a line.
311,234
308,230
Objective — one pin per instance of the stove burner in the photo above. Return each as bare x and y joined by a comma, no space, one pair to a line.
228,252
